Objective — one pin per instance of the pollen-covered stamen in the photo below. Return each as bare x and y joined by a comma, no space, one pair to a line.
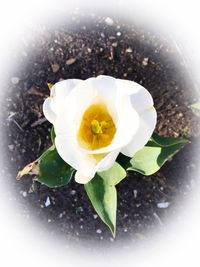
97,128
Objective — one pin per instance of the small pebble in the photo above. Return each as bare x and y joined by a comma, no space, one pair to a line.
118,33
11,147
145,61
24,194
129,50
163,205
98,231
72,192
114,44
109,21
95,216
125,216
70,61
48,202
15,80
135,193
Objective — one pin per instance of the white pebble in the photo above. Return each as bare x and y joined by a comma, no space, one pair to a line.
15,80
95,216
98,231
125,230
109,21
73,192
135,193
11,147
129,50
118,33
163,205
145,61
48,202
24,194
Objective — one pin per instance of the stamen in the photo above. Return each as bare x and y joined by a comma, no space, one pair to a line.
97,128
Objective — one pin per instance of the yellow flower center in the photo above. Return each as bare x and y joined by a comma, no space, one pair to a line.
97,128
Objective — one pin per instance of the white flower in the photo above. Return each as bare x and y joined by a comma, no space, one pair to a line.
96,119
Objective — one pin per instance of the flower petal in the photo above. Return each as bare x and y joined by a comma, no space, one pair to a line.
69,151
107,93
74,106
147,125
81,178
48,110
86,165
59,91
104,164
107,161
141,98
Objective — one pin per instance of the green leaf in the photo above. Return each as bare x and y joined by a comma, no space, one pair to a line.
114,175
49,169
196,108
53,135
167,141
157,151
104,200
53,170
124,161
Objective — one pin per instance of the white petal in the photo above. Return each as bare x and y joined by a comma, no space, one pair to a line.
103,165
59,92
107,93
69,151
107,161
86,165
74,106
147,125
141,99
48,111
81,178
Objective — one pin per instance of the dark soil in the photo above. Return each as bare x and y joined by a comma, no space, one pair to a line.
90,48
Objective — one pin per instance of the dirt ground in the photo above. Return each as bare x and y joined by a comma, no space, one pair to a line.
80,50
